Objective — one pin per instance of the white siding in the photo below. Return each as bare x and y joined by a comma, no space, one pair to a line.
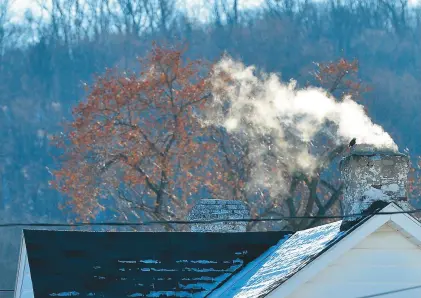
24,287
27,290
384,261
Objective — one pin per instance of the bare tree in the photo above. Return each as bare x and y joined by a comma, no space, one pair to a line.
5,32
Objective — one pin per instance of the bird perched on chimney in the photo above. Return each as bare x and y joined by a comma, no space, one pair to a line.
352,143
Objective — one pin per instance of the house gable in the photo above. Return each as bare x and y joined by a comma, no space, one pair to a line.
23,286
386,260
405,224
304,255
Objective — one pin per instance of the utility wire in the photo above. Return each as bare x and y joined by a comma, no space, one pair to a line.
145,223
391,292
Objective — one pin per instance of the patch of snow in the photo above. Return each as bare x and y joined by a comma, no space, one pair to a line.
204,269
199,278
162,270
196,286
136,295
203,262
390,187
214,281
168,294
281,262
127,262
376,194
233,268
241,252
65,294
150,261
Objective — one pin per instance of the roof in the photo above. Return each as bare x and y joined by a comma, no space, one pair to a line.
138,264
294,261
283,261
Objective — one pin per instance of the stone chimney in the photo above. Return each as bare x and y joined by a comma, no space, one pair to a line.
372,177
210,209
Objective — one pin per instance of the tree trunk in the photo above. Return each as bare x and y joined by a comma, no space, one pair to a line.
312,197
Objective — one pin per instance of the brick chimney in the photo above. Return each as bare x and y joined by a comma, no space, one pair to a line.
211,209
372,177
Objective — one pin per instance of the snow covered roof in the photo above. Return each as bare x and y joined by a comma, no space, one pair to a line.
138,264
290,255
281,262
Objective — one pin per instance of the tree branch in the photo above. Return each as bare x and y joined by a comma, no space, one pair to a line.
333,199
148,210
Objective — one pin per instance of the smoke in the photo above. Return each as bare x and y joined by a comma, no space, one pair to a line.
281,122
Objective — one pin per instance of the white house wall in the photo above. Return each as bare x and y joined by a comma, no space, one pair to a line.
384,261
24,287
27,290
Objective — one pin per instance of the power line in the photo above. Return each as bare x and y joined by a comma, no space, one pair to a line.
145,223
391,292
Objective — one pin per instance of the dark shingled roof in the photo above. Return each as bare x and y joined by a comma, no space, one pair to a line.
138,264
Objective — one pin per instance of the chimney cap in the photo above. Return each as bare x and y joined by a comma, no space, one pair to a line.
360,150
368,149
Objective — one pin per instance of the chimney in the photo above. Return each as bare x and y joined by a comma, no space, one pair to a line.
372,179
211,209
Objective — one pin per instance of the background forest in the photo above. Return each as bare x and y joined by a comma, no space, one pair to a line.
45,60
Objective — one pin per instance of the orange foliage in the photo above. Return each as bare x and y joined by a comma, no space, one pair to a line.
137,138
340,76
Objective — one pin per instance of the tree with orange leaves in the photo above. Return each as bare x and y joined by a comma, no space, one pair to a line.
137,141
340,78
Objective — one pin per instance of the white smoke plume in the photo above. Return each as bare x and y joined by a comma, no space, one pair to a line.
280,122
